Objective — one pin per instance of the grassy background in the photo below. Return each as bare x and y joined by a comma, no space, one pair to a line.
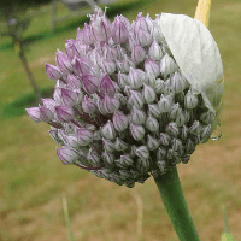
33,179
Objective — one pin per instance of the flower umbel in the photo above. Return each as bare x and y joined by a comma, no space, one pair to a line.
134,98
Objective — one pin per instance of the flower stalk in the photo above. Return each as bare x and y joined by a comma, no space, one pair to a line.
170,189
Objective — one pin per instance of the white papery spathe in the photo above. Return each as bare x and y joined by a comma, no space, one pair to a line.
198,57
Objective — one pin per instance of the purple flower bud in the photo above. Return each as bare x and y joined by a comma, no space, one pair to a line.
53,72
195,129
154,110
120,121
175,111
149,22
190,146
88,34
159,86
178,84
190,100
71,141
54,134
165,103
46,114
120,29
137,116
143,38
172,129
167,66
121,145
152,124
108,131
148,93
122,99
67,154
138,54
140,24
70,48
152,67
124,65
107,87
152,143
81,66
108,66
93,157
34,113
88,105
84,136
123,80
137,131
165,139
124,161
150,79
70,97
161,153
110,53
156,31
205,133
73,82
63,62
111,104
184,133
142,152
155,51
64,113
90,83
79,36
135,99
136,78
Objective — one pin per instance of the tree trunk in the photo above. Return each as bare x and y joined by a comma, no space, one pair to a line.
29,73
14,33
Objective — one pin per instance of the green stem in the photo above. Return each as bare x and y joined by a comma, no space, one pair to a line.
170,189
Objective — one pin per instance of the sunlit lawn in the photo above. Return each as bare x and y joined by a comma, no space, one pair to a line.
33,179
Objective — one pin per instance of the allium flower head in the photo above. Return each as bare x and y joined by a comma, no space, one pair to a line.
134,98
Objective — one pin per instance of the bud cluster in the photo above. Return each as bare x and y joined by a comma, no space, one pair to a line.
121,106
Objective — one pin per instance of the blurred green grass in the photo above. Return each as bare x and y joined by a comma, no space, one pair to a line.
33,179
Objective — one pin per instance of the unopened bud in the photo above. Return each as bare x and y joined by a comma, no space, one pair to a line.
120,145
165,139
137,116
152,124
108,131
165,103
137,131
108,145
93,157
172,129
190,100
154,110
120,121
135,99
152,143
148,93
142,152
